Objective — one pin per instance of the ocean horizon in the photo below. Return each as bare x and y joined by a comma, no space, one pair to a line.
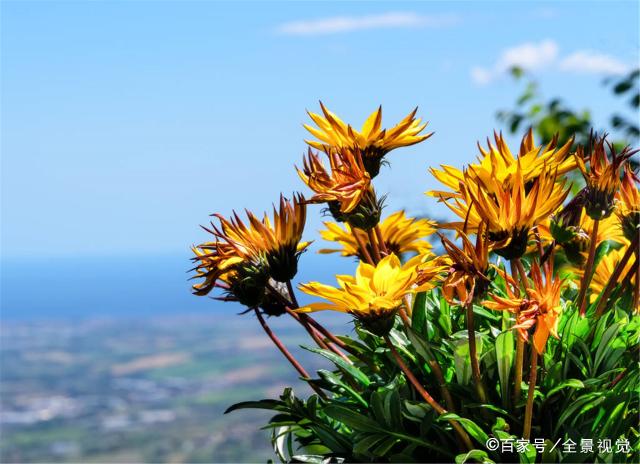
73,287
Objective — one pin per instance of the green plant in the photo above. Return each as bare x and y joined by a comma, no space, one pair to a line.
518,344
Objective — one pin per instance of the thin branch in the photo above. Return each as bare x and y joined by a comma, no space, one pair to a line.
287,354
464,437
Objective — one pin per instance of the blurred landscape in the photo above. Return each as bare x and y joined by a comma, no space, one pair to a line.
137,370
135,390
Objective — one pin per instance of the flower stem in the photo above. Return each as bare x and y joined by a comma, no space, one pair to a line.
381,242
523,273
473,353
374,246
363,247
274,338
532,388
514,276
613,280
518,269
463,436
292,294
581,302
433,362
303,319
315,330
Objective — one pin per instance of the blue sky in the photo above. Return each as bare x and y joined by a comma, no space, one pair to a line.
124,124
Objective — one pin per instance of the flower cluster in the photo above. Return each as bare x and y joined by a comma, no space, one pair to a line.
550,230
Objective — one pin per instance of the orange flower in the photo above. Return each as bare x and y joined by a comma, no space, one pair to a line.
345,183
541,309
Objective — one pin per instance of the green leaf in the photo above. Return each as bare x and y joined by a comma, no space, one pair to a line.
444,317
384,447
353,419
392,409
366,444
475,455
335,380
420,344
504,356
331,439
261,404
309,458
461,356
419,314
474,429
350,369
377,405
571,383
529,456
605,346
416,411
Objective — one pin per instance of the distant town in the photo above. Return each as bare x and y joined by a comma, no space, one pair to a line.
152,390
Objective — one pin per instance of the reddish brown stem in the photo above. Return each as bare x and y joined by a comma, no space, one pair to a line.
381,241
315,330
514,276
523,274
374,245
473,353
581,302
618,378
286,353
292,294
303,319
444,391
435,366
425,394
363,248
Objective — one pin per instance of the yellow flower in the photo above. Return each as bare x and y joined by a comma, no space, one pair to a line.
373,141
628,204
541,308
497,164
345,183
372,296
603,176
509,212
401,235
604,270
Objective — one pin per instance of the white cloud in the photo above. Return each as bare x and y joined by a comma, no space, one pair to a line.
534,56
481,75
586,61
530,56
341,24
